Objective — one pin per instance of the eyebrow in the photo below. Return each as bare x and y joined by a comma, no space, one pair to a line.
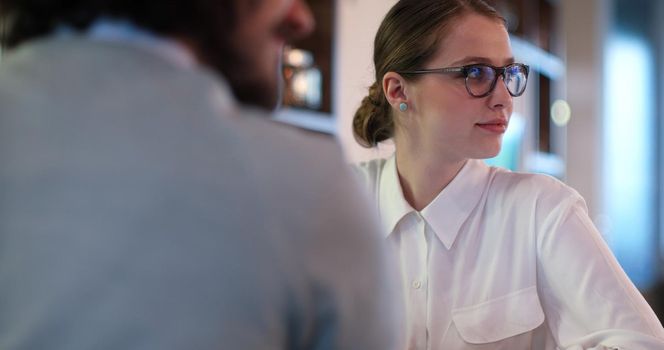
479,59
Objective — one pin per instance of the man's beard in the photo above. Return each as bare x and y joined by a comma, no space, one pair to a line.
249,85
263,93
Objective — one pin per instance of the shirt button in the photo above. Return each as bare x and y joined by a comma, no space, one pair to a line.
417,284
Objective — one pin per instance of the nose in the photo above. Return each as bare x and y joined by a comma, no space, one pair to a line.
500,97
299,21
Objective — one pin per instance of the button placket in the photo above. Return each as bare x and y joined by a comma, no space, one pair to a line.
414,256
416,284
419,283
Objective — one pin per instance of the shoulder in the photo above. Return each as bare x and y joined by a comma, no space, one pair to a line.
541,193
315,206
530,185
289,154
303,172
369,172
370,167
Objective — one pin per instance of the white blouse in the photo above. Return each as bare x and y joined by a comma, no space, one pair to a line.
503,260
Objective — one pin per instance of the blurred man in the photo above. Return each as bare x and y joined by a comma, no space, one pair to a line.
141,207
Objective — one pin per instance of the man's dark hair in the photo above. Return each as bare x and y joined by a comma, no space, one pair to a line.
204,21
207,24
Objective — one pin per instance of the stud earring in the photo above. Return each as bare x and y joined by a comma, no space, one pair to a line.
403,106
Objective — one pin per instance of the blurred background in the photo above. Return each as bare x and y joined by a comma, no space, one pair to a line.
590,115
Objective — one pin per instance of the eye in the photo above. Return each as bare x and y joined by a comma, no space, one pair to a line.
514,70
475,72
479,73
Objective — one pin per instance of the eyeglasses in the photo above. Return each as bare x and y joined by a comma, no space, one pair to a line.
481,78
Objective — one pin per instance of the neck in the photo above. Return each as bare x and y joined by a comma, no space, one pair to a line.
424,176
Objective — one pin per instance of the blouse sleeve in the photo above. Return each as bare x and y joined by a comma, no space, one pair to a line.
589,301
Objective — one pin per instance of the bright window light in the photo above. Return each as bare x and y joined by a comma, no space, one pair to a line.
629,156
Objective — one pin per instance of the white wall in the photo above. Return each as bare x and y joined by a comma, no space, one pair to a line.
357,23
584,28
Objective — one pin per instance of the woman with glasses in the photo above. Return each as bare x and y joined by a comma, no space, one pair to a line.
489,259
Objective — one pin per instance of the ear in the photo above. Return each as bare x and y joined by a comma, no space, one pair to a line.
394,86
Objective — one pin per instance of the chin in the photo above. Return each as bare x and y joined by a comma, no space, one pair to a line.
488,153
495,147
261,94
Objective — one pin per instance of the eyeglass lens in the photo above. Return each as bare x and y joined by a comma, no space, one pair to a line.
481,79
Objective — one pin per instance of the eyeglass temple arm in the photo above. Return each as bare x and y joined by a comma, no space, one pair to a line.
436,70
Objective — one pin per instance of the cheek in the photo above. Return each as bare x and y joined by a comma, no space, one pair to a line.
446,109
263,54
454,114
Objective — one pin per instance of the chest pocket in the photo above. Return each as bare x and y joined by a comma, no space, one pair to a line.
499,318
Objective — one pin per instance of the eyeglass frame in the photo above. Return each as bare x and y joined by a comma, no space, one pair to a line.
500,71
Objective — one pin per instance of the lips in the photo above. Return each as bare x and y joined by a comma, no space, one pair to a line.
496,126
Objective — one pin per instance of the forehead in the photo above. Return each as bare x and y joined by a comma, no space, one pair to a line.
474,36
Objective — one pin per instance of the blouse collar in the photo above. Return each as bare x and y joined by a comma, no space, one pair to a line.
447,212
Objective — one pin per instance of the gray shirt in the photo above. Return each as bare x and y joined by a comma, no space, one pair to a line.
140,208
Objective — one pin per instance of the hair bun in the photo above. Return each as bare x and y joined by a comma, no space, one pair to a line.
372,122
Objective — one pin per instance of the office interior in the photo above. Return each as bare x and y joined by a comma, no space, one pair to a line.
591,115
